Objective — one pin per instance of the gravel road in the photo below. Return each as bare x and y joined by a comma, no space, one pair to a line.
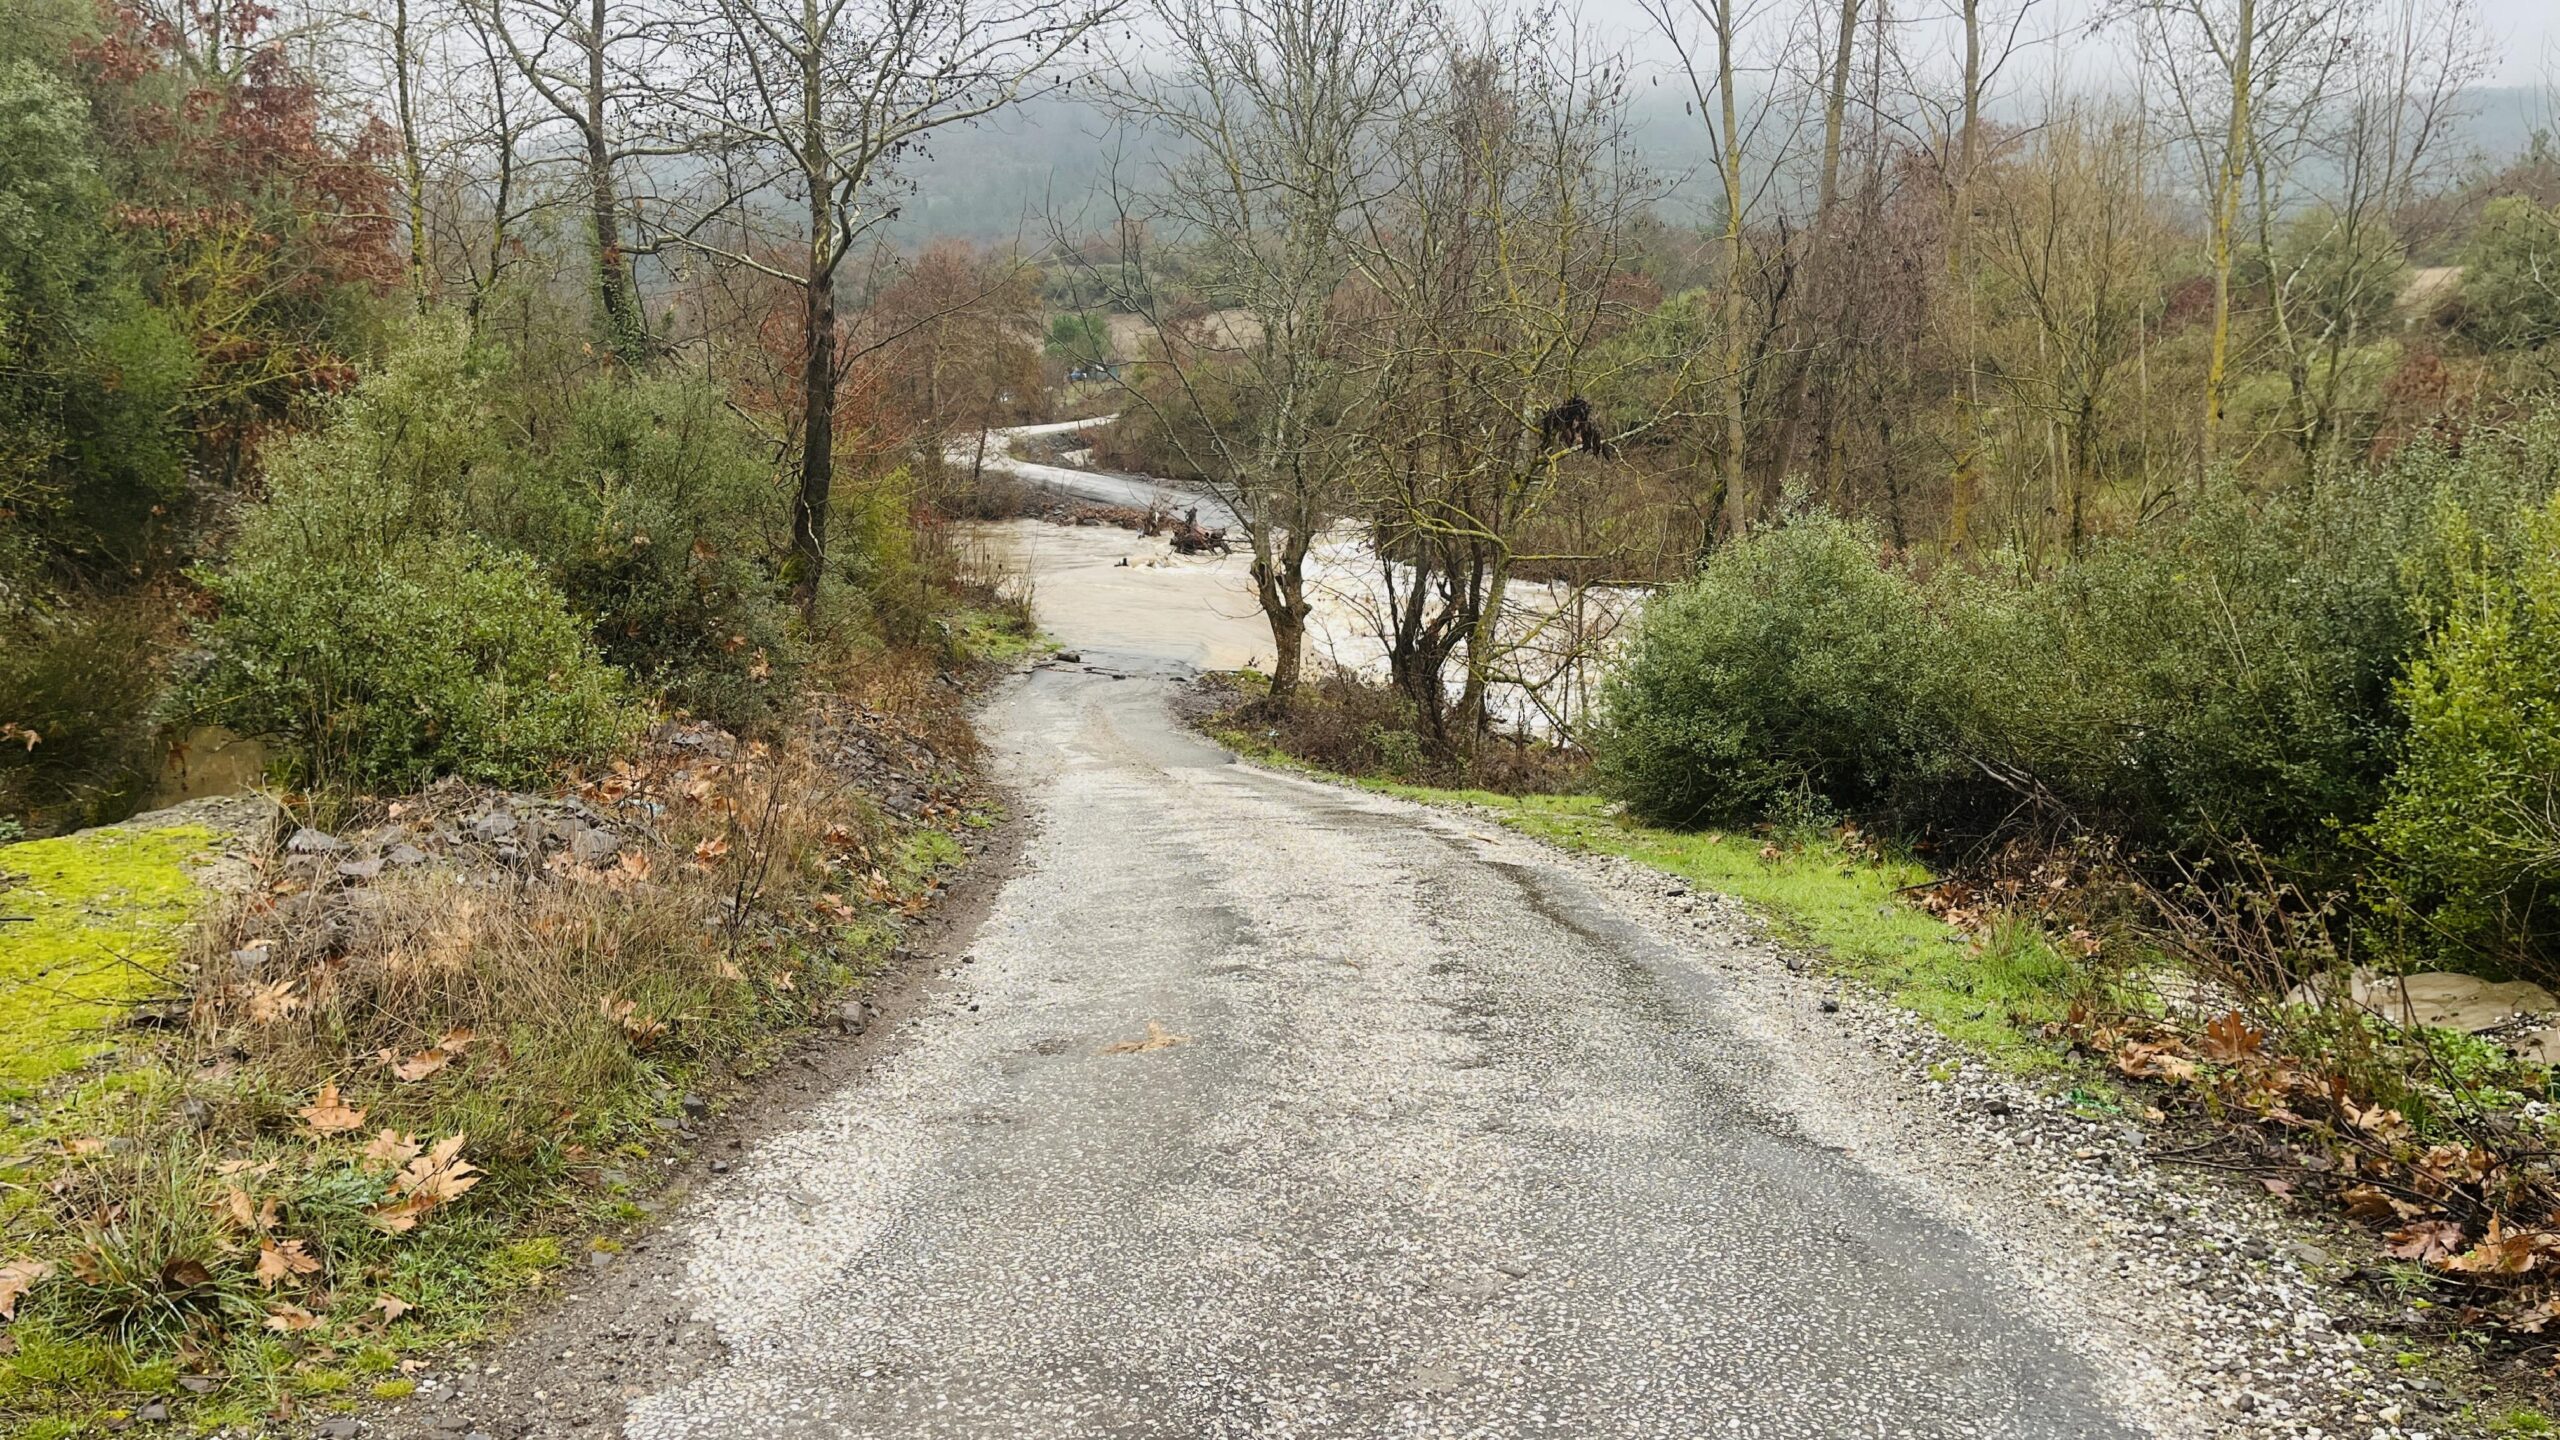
1264,1108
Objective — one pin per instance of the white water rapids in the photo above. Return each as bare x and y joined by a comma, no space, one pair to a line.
1112,591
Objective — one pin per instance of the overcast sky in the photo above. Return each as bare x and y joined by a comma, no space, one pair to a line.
2523,35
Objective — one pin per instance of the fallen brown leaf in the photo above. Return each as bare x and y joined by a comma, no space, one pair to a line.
329,1115
281,1261
290,1319
1158,1038
17,1278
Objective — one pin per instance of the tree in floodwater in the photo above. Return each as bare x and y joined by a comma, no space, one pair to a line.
1279,115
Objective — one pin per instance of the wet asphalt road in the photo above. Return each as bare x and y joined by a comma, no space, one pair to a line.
1426,1144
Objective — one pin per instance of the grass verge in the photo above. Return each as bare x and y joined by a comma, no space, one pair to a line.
424,1060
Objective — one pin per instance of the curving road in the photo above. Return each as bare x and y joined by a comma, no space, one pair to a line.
1269,1109
1103,487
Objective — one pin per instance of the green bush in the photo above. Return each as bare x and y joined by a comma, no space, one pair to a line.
645,502
2471,830
443,655
2225,675
84,681
1793,670
2509,300
662,516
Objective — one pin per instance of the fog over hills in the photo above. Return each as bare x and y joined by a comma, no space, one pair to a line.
1049,163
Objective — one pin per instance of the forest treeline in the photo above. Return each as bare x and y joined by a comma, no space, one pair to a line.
434,389
347,401
2163,465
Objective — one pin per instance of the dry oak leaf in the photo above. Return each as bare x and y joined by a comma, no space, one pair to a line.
391,1306
273,1002
2232,1039
2428,1242
432,1179
641,1028
2156,1061
1158,1038
290,1319
237,1208
17,1277
393,1148
2374,1119
415,1067
2373,1203
279,1262
183,1273
2500,1252
329,1115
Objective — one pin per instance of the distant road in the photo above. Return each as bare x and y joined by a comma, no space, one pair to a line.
1102,487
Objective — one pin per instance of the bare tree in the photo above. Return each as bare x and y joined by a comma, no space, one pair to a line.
808,109
1715,27
1495,268
2245,81
2072,245
590,61
1277,113
2334,269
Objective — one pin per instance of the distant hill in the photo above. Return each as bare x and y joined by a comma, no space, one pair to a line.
1049,160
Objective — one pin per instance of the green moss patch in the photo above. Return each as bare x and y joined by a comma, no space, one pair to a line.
89,924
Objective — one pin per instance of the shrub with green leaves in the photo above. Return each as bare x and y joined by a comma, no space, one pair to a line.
443,655
2472,826
79,686
645,502
1794,670
2510,297
2224,676
659,522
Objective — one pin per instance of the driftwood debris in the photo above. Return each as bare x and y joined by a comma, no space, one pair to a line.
1190,538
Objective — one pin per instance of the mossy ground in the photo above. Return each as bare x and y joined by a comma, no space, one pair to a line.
122,1143
89,924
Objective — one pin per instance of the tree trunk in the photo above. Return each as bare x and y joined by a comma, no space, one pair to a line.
1737,503
503,203
1819,280
413,169
817,440
1960,270
2226,219
1280,584
623,333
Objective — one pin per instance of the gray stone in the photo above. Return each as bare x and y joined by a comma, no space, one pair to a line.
494,825
593,847
360,869
405,856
